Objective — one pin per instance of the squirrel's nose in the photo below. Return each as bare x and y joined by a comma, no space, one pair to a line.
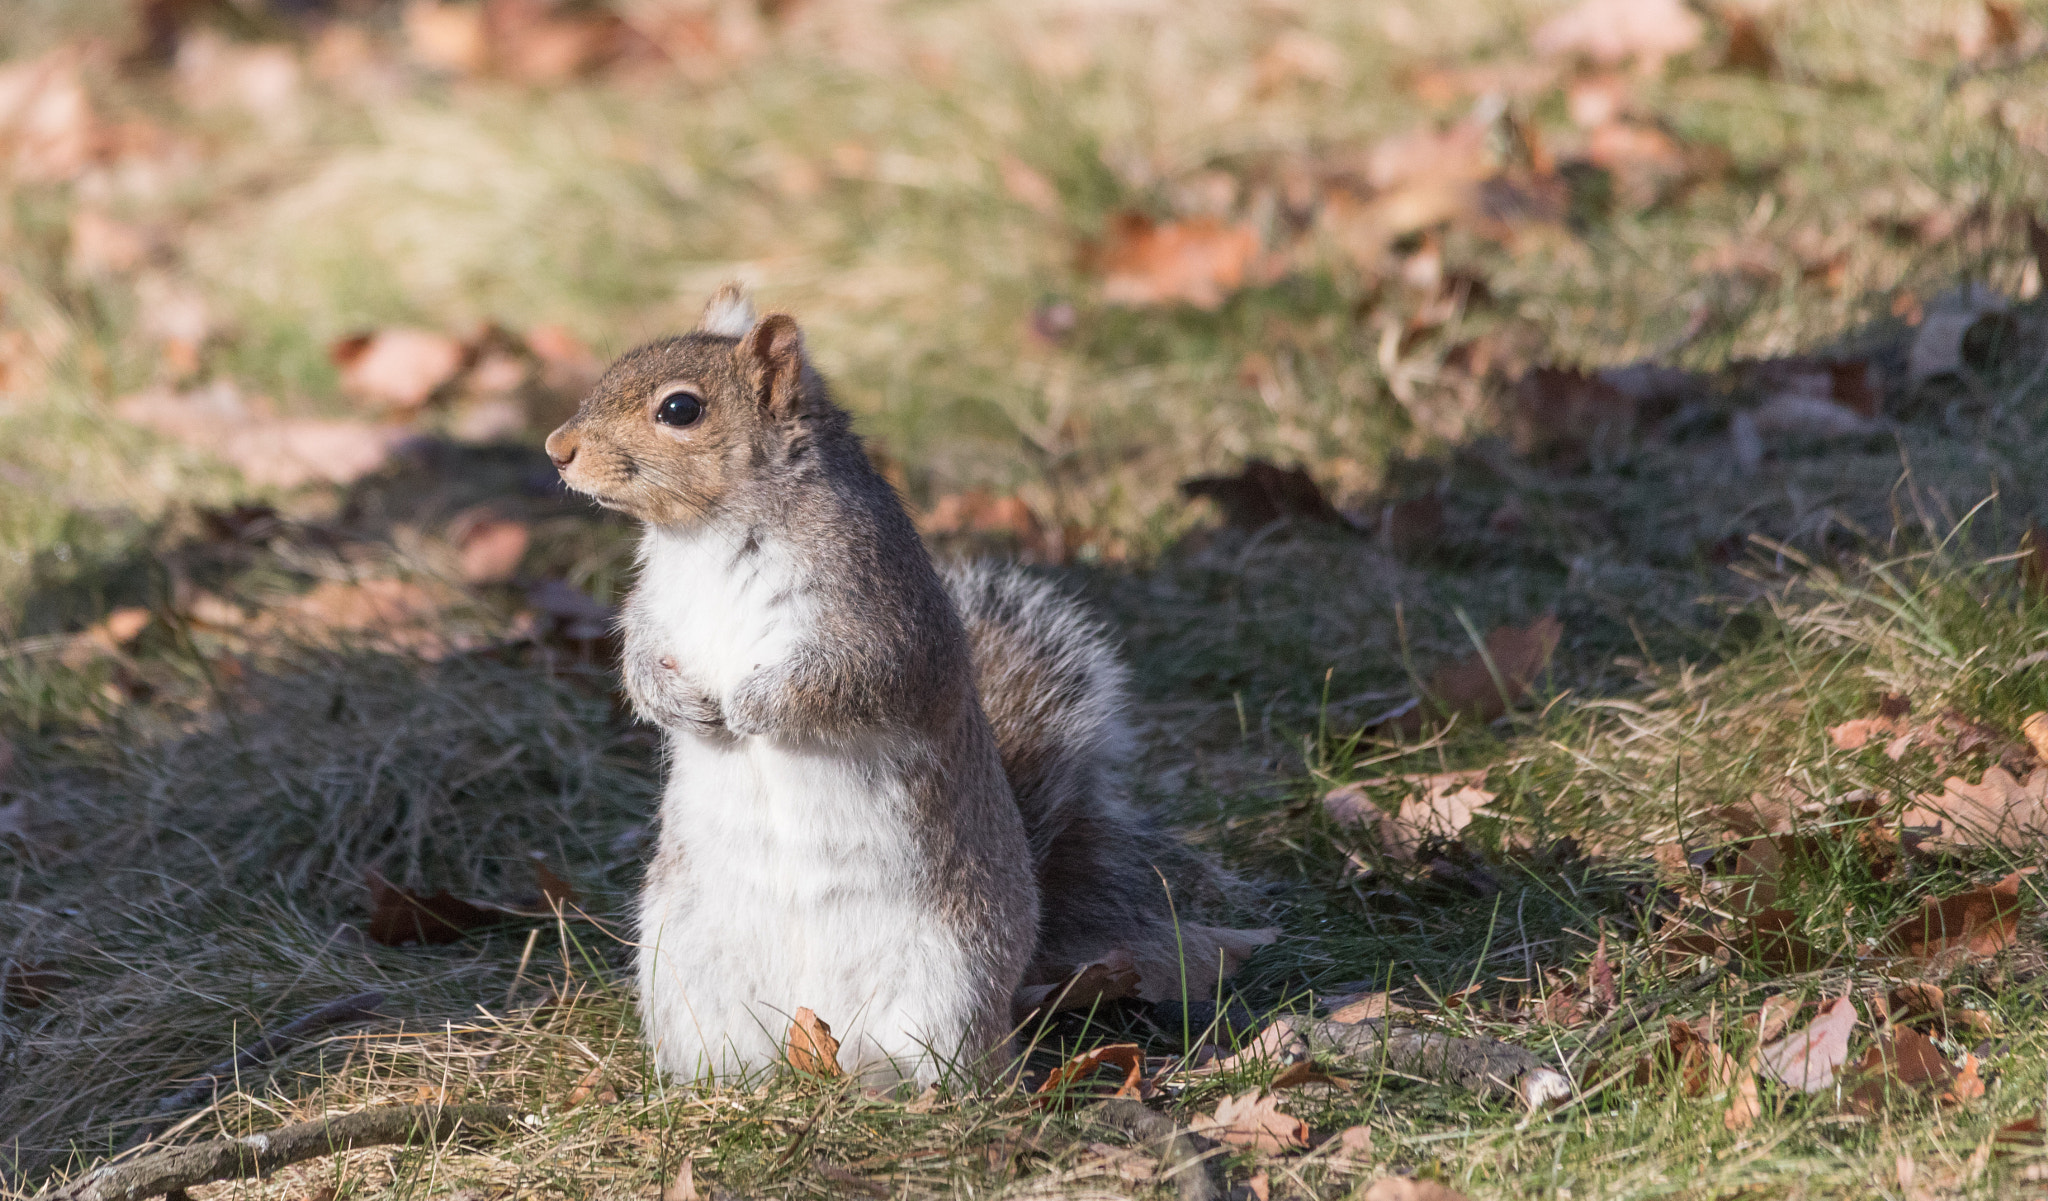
561,446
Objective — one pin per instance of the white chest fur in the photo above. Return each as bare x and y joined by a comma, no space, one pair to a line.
788,875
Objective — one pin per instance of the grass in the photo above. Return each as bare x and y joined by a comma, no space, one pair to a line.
204,804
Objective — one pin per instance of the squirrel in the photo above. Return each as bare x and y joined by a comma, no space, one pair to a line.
894,794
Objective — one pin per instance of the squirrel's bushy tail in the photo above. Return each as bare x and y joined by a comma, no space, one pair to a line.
1057,693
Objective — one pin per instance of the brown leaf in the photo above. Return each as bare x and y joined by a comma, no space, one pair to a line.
397,616
1982,921
1612,32
31,985
398,368
1302,1072
1705,1070
1198,261
1279,1042
1441,808
1966,1085
1110,978
102,246
1807,1060
1749,42
268,450
1081,1070
1567,417
538,42
1253,1120
592,1084
981,513
1776,1014
1262,494
491,548
1353,1150
447,37
48,132
1600,976
1518,654
2035,729
399,916
555,892
1996,811
1367,1008
683,1187
1404,1188
1857,734
810,1047
1902,1062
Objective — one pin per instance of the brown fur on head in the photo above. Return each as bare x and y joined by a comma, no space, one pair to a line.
677,429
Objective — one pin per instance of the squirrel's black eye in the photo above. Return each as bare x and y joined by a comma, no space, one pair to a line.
679,408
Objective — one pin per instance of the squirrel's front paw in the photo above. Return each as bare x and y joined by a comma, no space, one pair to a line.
665,697
748,712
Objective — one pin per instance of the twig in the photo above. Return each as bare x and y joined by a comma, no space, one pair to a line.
1178,1159
357,1008
179,1168
1482,1066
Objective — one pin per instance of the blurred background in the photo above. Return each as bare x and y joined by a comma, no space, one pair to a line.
1057,255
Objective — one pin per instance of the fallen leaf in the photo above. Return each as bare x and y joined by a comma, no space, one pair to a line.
1404,1188
30,985
268,450
1253,1121
447,37
1278,1043
398,368
683,1187
1259,1185
1856,734
1568,417
1353,1149
1808,1060
555,893
1903,1062
396,616
1749,42
1600,975
110,635
592,1084
1369,1007
1996,811
47,127
1111,978
1199,261
1982,921
810,1047
1303,1072
1612,32
400,917
1988,27
1776,1013
1081,1070
2035,729
1440,808
979,512
1481,687
1262,494
102,246
1966,1085
490,548
539,42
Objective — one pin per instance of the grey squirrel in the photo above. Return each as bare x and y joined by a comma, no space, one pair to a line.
895,795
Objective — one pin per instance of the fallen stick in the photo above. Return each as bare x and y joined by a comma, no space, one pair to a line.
1483,1066
1178,1158
180,1168
360,1007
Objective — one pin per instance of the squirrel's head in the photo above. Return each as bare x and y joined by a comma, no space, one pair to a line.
675,428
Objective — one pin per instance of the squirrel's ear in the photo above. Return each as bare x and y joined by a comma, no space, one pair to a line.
730,314
773,352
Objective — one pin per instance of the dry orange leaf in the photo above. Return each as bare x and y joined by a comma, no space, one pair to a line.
1367,1008
1857,734
1903,1062
1966,1085
400,916
491,548
1615,31
268,450
398,368
1809,1059
2035,729
1253,1120
1081,1069
1982,921
1517,653
1199,261
1437,806
810,1047
683,1187
1999,810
